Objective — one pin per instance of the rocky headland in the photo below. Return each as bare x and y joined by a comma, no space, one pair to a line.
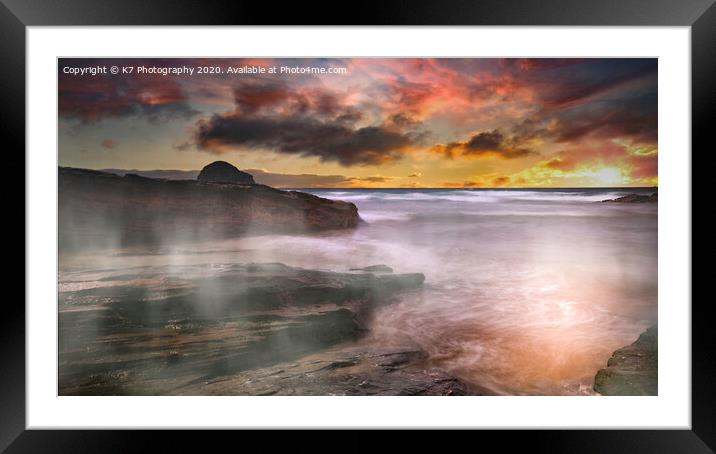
247,329
100,209
632,370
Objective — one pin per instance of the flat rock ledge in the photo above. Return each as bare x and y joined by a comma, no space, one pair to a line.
632,370
349,372
230,329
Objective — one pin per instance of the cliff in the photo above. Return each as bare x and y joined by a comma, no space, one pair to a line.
99,209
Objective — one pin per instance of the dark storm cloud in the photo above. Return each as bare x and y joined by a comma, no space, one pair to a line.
314,122
559,83
403,120
579,83
595,99
624,124
305,136
549,83
634,118
487,143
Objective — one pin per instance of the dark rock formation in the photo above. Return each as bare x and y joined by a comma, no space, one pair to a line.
223,172
345,372
634,198
174,329
98,209
632,370
374,269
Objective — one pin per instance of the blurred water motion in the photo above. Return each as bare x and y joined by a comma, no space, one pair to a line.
526,292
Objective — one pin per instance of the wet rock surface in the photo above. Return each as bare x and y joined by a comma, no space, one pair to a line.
632,370
207,329
103,210
347,372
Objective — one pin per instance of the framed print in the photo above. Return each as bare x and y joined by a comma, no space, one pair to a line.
477,218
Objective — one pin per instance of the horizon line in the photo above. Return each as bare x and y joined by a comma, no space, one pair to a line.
485,187
105,169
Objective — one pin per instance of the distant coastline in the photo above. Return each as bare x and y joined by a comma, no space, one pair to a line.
263,177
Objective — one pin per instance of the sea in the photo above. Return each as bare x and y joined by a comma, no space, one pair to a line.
527,291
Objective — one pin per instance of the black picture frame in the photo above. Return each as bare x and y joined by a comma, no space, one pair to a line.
16,15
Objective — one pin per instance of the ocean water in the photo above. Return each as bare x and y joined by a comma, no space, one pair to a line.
526,291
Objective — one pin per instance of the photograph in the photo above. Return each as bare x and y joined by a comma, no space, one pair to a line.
471,217
357,226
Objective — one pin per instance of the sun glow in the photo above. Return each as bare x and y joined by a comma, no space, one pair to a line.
604,176
609,175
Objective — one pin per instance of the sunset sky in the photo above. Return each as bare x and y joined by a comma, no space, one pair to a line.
384,123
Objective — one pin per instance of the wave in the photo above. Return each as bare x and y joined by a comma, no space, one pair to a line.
483,196
373,216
